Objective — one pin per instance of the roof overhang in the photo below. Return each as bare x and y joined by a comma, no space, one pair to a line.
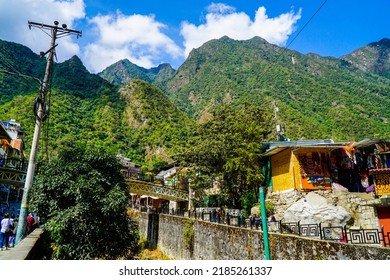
3,132
273,148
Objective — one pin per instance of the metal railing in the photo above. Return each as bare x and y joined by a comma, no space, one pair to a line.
338,233
13,163
319,231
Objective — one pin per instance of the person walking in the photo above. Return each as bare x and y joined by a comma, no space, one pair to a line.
13,238
30,223
6,229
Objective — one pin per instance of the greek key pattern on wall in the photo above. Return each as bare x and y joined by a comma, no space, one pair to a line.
364,236
310,230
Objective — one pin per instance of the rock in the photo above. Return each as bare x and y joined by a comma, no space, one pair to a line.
314,209
337,187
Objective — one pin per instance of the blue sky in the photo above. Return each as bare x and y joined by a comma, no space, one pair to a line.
151,32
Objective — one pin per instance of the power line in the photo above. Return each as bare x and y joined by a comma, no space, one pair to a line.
278,127
21,75
11,70
299,32
307,23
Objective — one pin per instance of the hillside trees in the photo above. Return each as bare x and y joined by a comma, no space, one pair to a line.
83,197
227,148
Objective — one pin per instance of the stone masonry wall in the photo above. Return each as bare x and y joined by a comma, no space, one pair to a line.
220,242
364,216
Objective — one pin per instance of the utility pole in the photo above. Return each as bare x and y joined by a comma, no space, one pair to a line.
40,112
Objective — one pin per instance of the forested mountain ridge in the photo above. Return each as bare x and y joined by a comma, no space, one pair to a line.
18,59
318,97
372,58
123,71
70,77
136,120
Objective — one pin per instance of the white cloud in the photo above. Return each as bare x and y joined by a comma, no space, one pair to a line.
14,19
223,20
140,38
136,37
220,8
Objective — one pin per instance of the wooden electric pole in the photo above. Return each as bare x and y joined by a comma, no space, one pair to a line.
40,111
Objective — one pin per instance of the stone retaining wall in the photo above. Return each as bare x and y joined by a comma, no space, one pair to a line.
218,242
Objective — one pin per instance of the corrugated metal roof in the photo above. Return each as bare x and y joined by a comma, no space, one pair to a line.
369,142
273,148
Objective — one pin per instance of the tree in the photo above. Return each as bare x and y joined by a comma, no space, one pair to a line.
83,197
227,148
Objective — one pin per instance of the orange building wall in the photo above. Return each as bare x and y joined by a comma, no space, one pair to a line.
303,181
384,218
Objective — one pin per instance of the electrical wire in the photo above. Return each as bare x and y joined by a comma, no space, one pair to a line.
11,69
298,33
294,38
307,23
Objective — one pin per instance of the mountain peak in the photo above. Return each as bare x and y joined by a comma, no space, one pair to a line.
123,71
385,42
372,58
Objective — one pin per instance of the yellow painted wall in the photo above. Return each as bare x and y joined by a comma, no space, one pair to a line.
286,174
296,173
282,171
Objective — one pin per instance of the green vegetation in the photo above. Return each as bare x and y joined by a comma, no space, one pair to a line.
373,58
226,148
123,71
139,122
83,198
318,97
147,254
188,234
210,115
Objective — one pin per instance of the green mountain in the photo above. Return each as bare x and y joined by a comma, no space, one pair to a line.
71,77
373,58
123,71
137,120
18,59
317,97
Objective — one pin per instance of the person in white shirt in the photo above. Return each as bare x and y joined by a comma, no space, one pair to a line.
6,230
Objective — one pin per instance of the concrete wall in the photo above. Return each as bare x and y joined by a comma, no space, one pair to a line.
219,242
31,247
149,228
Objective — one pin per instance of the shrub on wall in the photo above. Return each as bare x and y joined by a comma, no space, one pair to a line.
188,234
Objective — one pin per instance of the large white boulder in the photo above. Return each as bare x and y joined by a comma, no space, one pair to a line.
314,209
